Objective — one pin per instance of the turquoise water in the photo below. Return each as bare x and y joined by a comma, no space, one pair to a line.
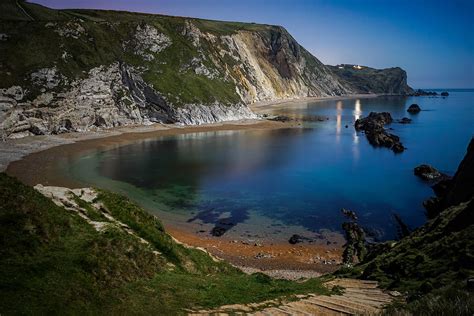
299,176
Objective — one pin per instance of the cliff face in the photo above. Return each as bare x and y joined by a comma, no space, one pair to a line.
84,69
77,70
362,79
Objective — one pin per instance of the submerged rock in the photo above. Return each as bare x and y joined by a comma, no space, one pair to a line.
404,120
373,126
413,109
218,231
444,94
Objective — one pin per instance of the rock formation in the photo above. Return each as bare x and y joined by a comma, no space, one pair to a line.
373,127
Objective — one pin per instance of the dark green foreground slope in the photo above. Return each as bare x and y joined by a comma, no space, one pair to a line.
53,262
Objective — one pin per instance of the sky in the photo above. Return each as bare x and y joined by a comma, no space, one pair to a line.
433,40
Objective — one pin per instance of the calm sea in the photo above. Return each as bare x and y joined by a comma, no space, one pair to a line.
299,176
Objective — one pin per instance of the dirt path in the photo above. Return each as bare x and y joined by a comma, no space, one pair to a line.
359,298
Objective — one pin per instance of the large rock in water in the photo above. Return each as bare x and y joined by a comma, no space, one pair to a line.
373,127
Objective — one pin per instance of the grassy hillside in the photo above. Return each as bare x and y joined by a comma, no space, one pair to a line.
53,261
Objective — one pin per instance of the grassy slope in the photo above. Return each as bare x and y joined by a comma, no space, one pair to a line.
52,261
431,265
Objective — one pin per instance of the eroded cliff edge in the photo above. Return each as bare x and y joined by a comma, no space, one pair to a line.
78,70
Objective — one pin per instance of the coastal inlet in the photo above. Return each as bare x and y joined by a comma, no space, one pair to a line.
250,184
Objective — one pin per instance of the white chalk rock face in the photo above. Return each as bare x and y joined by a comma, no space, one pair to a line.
147,42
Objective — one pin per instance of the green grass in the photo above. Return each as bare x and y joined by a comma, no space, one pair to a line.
448,301
53,262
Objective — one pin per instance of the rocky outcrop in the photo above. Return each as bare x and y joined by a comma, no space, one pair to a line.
373,127
363,79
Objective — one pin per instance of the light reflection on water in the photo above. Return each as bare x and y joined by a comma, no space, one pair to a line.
301,176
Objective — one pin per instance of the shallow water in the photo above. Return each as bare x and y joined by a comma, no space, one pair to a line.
299,176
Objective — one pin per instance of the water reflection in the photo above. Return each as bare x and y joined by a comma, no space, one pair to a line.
357,109
338,120
301,176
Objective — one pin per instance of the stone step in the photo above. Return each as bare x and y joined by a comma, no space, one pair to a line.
317,300
314,309
365,300
356,304
294,310
377,296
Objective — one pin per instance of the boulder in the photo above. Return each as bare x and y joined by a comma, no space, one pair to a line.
427,172
295,239
444,94
414,108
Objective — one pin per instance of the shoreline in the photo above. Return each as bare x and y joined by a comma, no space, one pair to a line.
278,258
261,107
